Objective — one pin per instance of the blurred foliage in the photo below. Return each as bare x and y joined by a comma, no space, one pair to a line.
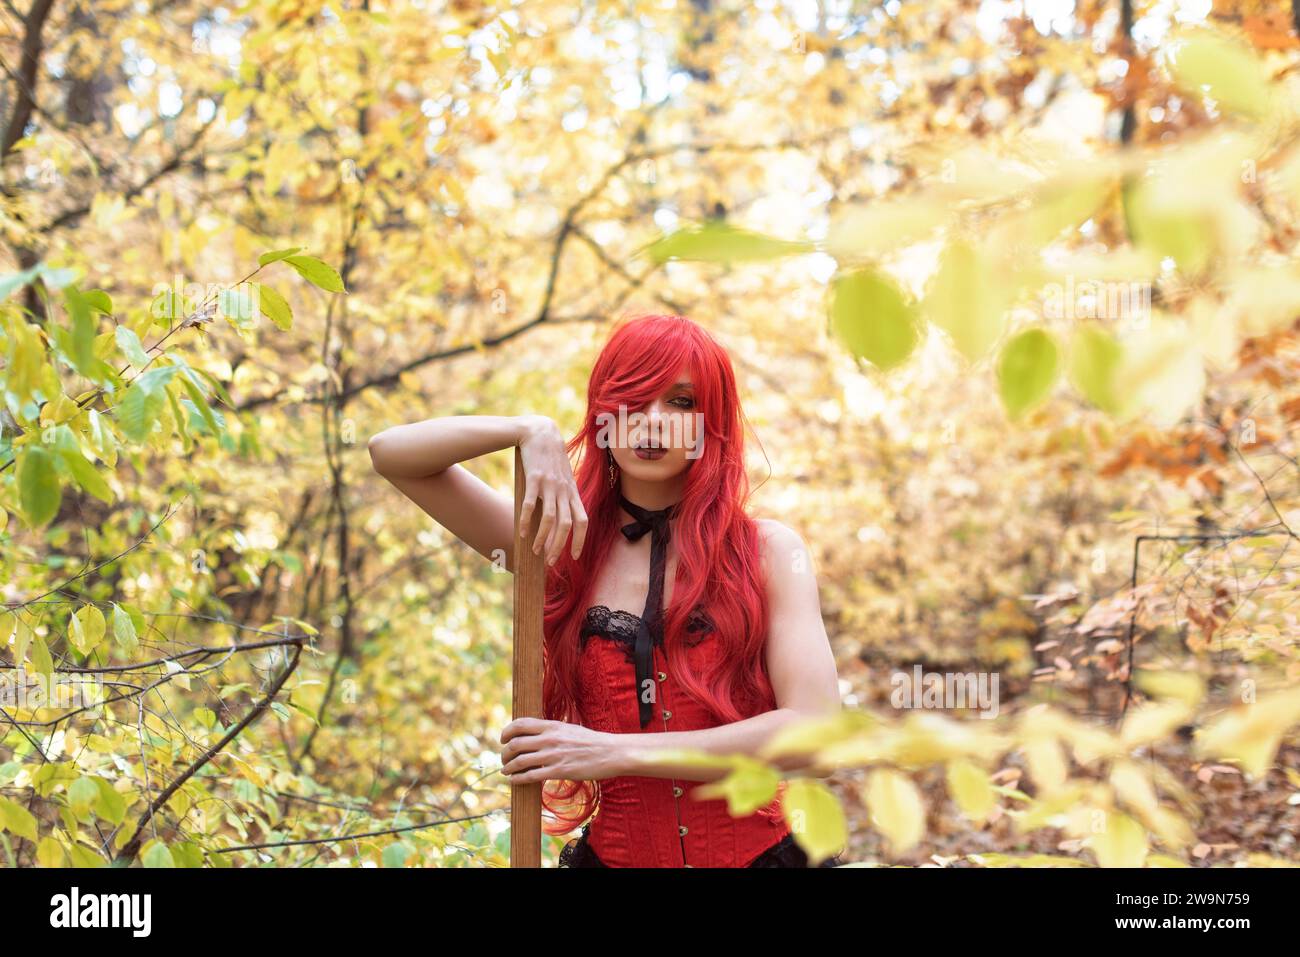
1012,299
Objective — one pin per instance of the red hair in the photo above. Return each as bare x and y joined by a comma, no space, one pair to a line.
718,546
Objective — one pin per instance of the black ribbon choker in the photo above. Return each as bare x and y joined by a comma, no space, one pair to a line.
650,628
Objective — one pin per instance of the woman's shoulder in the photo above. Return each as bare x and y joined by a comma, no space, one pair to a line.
790,575
776,533
782,545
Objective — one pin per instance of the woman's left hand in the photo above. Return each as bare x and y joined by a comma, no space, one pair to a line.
540,750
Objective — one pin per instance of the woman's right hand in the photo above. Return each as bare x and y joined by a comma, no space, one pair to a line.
548,479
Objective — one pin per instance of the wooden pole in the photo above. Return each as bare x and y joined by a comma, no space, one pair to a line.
530,597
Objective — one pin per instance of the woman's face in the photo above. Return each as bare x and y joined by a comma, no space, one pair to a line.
663,437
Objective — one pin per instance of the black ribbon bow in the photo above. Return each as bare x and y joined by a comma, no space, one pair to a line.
650,628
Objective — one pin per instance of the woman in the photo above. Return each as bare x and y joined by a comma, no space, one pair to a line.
673,619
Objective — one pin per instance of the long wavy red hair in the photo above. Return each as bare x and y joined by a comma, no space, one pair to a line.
718,547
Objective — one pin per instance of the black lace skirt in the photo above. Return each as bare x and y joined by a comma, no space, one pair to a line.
784,853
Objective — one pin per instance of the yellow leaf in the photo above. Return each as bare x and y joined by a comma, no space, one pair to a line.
816,819
1152,722
179,802
1027,860
1051,809
1162,371
87,628
1047,765
1260,299
809,735
971,788
1121,843
1185,686
49,853
1133,786
1251,733
85,857
750,786
1058,205
927,737
896,808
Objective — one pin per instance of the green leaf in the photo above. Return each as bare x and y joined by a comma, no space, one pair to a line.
84,328
83,794
873,319
1165,231
396,854
878,228
966,300
41,657
717,241
217,387
1027,370
200,403
112,804
124,630
129,343
167,306
17,819
274,306
16,281
267,258
39,492
187,854
157,855
237,304
99,300
1229,71
1057,206
182,421
86,475
1094,358
137,411
318,273
142,403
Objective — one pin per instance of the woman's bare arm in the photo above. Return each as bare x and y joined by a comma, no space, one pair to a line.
422,460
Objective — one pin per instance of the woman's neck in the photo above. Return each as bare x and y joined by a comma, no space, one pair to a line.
652,496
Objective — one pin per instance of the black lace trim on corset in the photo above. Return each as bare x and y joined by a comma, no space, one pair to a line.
621,626
784,853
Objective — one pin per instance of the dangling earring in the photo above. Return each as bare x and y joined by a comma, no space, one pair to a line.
613,475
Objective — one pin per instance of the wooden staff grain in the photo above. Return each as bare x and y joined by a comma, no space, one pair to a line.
530,597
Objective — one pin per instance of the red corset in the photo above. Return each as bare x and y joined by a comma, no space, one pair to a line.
656,822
